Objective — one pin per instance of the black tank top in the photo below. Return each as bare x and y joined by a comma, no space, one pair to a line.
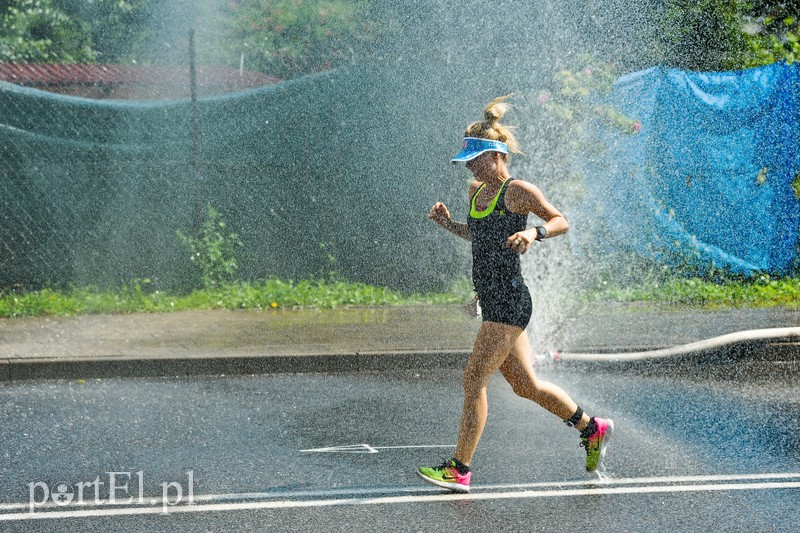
494,267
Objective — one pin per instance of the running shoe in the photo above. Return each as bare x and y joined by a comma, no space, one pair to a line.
597,443
446,476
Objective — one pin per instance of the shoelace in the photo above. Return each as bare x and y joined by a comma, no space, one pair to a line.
446,463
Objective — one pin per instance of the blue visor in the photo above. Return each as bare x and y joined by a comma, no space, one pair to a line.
473,147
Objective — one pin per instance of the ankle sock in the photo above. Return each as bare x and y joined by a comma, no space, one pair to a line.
461,467
590,429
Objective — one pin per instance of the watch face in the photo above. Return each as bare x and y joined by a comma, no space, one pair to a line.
541,233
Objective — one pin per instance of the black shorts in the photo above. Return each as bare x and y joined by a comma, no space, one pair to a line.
510,305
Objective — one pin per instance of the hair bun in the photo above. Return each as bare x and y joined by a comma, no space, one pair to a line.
496,109
490,127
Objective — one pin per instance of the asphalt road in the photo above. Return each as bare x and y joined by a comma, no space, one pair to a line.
338,453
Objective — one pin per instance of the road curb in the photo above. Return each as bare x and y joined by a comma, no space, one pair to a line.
740,348
115,367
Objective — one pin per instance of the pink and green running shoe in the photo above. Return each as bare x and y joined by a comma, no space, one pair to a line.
597,443
446,476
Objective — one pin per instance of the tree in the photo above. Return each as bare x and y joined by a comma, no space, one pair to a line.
703,34
73,31
119,30
773,32
38,31
288,38
729,34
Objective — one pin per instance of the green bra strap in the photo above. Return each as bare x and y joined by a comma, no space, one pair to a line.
474,213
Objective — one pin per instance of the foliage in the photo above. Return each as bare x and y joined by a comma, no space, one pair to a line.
213,250
773,39
274,294
265,295
575,99
796,185
762,291
38,31
329,270
283,38
565,112
118,30
728,34
72,31
289,38
702,34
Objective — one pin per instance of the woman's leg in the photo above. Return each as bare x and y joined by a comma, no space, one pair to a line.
595,432
507,348
492,347
518,371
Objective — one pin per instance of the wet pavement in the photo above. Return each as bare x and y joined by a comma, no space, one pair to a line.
381,338
338,452
311,452
245,444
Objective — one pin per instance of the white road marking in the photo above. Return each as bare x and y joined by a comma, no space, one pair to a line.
366,448
399,495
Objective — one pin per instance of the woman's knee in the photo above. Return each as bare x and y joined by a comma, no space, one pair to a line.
474,382
524,385
521,389
526,389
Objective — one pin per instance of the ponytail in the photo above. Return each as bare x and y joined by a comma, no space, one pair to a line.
491,128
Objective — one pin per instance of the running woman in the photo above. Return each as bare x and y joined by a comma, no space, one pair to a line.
497,229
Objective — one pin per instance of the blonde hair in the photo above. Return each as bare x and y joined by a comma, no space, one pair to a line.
490,127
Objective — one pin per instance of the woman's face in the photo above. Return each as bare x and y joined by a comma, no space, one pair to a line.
485,167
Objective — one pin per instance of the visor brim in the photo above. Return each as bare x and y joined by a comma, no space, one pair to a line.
468,155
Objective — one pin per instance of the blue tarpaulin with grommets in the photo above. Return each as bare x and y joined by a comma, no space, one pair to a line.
710,179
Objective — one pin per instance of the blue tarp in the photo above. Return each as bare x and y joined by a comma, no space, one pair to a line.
707,181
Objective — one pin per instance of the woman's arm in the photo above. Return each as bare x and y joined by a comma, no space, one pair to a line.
441,215
523,197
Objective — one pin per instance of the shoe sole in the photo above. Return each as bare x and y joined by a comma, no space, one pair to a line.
455,487
604,447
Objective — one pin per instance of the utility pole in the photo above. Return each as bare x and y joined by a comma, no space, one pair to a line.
195,136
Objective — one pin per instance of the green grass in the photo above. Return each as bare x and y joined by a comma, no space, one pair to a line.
137,297
270,294
763,291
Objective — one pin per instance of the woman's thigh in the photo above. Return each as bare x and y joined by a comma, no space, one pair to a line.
492,347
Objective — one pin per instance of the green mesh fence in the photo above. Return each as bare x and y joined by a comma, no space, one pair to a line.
326,172
331,171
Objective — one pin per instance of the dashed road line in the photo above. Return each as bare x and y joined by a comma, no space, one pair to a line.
366,448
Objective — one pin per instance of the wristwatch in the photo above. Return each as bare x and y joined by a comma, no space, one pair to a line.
541,233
